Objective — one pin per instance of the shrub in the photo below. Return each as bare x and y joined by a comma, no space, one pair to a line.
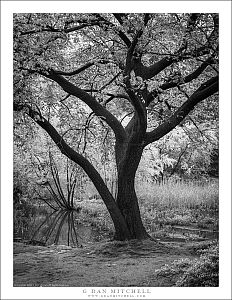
202,272
197,272
23,211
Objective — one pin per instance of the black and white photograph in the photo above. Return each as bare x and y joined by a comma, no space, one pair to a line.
115,149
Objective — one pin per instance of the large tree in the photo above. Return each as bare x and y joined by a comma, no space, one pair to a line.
141,74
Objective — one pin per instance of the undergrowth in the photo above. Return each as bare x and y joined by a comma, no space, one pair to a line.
164,206
94,213
161,206
202,271
179,203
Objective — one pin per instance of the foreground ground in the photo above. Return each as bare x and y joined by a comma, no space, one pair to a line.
97,264
183,218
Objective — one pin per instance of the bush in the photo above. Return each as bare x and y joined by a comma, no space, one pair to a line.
201,272
23,211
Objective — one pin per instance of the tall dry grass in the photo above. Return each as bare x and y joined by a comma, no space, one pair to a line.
172,203
179,203
179,194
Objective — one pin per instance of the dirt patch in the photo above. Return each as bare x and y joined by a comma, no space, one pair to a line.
99,264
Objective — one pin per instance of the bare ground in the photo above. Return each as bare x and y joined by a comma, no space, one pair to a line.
97,264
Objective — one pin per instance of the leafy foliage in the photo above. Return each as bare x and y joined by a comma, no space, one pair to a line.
105,86
23,209
195,273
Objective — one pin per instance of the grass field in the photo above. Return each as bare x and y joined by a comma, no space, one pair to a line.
165,205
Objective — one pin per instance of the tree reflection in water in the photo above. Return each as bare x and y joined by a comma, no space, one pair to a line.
58,227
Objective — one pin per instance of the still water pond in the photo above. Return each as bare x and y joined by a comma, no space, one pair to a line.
59,227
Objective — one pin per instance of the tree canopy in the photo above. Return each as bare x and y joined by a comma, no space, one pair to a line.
121,80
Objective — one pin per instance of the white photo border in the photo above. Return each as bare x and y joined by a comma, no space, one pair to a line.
10,7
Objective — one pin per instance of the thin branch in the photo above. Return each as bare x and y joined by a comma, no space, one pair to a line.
108,83
130,113
200,131
81,69
49,28
178,161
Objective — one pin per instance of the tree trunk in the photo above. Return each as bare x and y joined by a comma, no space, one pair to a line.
124,211
127,200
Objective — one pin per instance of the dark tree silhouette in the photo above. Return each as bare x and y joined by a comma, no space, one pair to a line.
160,65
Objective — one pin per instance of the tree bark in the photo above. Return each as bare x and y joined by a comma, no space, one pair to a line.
127,200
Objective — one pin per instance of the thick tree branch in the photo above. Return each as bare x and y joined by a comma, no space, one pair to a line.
99,21
192,21
97,108
146,19
135,100
119,32
119,17
82,162
204,91
180,81
130,53
149,72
